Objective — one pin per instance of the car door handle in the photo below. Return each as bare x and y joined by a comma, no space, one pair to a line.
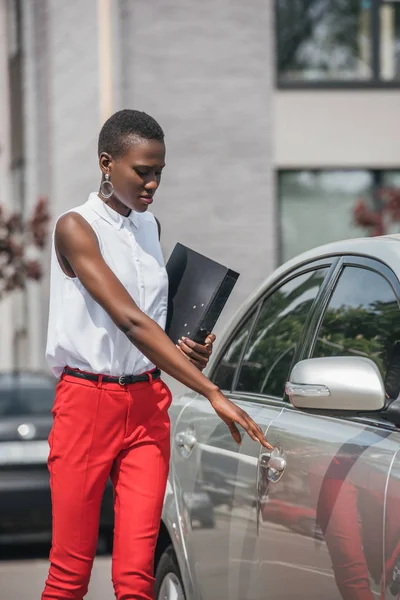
277,463
274,464
185,442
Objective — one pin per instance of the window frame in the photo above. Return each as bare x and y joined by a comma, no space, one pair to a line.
375,82
329,262
252,318
377,175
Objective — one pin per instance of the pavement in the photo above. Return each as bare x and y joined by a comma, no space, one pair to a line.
23,570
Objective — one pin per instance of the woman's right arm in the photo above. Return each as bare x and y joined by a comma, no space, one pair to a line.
77,243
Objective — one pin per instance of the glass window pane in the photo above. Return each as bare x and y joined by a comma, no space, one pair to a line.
270,351
317,207
362,319
324,40
390,40
225,371
391,179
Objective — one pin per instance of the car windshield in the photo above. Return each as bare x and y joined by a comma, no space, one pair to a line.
25,394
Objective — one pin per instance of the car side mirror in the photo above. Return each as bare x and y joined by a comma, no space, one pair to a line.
337,383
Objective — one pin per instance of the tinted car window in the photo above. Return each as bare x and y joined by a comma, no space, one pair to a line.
362,319
225,371
26,394
270,350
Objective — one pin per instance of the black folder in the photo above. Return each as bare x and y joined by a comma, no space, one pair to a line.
198,291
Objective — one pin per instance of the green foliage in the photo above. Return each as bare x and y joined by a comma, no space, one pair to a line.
320,25
358,331
270,352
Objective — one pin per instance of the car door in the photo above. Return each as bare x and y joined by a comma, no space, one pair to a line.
215,479
321,519
391,567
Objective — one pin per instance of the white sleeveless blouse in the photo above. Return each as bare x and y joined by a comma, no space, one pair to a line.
80,332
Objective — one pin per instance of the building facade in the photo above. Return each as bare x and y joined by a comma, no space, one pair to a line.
280,122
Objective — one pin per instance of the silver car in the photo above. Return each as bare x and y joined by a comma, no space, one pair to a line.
314,358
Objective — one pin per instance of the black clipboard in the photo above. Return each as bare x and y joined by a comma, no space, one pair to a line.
199,288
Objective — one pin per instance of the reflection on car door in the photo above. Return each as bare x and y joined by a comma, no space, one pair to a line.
215,479
321,525
208,468
215,486
391,567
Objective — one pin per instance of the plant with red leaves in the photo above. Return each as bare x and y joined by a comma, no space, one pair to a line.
21,244
386,212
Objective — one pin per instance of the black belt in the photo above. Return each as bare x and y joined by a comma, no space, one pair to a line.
122,380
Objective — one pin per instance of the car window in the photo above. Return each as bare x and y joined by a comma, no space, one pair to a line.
225,371
270,350
26,395
362,319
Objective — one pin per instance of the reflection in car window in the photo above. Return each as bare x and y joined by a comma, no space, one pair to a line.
26,394
362,319
223,376
270,351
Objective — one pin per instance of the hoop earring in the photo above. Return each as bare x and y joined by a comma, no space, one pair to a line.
105,183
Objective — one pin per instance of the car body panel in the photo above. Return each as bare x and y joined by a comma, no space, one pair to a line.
391,532
219,479
245,538
335,481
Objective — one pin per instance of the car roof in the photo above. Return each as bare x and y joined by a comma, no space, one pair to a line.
383,248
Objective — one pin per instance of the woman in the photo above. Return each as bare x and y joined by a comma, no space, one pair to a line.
108,304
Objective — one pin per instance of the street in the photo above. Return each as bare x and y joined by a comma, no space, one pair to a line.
23,571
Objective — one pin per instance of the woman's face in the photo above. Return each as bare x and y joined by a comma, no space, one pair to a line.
135,176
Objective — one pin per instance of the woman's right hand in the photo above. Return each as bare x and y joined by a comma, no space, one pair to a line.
231,414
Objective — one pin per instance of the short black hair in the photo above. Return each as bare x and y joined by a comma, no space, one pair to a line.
124,124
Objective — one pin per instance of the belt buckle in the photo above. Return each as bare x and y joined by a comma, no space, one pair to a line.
122,380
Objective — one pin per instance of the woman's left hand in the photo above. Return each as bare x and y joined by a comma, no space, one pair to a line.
198,354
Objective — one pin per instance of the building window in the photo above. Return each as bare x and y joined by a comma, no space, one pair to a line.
338,42
318,207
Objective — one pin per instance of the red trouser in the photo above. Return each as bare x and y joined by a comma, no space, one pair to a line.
101,430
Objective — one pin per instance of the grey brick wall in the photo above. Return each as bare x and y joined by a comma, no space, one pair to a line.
74,101
204,70
6,307
71,120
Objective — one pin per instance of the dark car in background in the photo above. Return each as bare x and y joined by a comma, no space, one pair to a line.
26,400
